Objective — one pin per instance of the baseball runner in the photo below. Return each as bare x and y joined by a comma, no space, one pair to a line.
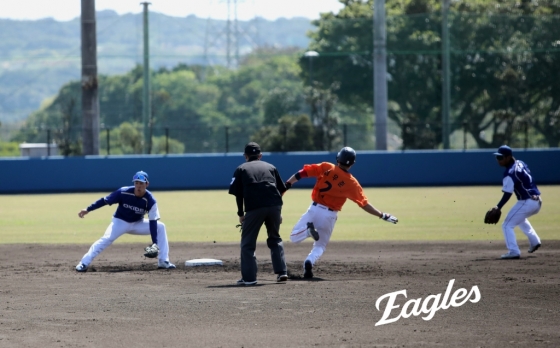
334,185
133,202
519,180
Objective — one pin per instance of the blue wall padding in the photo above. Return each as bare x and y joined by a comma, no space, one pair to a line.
214,171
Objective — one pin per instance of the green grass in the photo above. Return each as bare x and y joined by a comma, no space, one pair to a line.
425,214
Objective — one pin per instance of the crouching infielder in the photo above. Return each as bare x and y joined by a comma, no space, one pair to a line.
133,203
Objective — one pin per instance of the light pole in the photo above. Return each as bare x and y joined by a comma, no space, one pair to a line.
310,55
380,96
146,92
446,75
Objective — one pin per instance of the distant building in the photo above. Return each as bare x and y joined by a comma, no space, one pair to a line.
38,149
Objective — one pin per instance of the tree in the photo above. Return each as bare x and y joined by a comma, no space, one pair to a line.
345,43
324,116
291,133
279,102
59,116
507,81
504,66
66,137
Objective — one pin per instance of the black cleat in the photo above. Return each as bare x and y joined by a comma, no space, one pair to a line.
312,232
308,269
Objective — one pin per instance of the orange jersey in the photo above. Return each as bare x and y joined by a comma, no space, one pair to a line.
334,186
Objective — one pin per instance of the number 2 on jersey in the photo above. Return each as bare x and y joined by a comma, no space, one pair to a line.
325,189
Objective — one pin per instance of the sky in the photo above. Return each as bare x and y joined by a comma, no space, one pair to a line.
64,10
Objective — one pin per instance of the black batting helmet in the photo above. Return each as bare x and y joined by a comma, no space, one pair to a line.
346,156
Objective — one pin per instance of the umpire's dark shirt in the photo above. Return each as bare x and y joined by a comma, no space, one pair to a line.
259,183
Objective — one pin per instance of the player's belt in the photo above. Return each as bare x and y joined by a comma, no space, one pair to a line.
322,206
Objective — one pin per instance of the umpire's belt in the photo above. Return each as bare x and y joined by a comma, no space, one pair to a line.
322,206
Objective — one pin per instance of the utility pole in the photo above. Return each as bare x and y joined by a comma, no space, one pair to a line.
380,74
236,28
206,61
90,99
228,37
445,74
146,97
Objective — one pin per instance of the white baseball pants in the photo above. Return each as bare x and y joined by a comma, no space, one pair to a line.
323,220
119,227
517,216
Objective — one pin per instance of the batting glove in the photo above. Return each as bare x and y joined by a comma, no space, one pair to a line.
389,218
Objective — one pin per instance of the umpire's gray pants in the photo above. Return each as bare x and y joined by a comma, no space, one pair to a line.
271,217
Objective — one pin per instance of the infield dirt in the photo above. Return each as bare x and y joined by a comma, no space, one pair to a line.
124,301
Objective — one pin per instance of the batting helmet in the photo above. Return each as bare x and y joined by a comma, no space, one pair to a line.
346,156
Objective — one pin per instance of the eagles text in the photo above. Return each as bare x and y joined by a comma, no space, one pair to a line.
429,306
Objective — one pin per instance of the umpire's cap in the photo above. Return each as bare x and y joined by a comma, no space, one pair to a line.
346,156
252,148
140,176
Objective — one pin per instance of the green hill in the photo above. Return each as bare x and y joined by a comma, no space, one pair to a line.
38,57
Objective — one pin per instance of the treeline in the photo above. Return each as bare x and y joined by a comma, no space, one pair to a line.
505,68
40,56
193,106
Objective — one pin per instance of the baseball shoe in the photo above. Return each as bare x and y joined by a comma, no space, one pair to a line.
242,282
81,267
282,278
534,248
509,256
165,265
312,232
308,269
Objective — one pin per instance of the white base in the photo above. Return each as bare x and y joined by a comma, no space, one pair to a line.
203,262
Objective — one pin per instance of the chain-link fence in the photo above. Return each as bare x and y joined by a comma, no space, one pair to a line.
200,139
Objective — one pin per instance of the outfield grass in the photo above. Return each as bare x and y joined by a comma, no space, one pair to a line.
425,214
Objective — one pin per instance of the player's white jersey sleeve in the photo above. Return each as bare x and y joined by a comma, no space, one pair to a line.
508,184
153,214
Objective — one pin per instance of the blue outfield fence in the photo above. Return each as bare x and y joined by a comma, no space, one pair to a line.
214,171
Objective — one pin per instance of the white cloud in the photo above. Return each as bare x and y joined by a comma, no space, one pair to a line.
64,10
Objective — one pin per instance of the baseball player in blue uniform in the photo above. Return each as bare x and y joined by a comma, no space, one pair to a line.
519,180
133,203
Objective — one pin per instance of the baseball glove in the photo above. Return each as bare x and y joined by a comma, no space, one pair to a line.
151,251
492,216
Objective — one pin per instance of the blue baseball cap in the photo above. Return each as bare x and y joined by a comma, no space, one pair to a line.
140,176
504,150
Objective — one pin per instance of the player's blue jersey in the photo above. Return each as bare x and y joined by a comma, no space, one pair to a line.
132,208
518,179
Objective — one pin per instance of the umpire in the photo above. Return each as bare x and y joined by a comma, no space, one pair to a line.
259,185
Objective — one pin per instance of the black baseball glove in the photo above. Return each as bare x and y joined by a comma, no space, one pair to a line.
151,251
492,216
